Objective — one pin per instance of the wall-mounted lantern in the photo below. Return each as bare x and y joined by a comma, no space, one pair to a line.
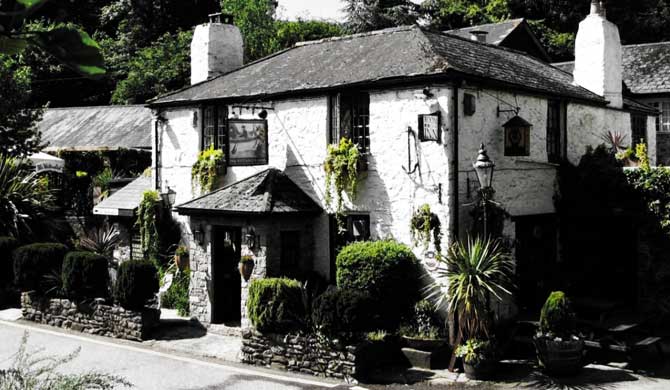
169,197
517,137
251,238
199,235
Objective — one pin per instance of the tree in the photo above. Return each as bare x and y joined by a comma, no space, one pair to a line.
369,15
452,14
18,136
68,44
289,33
162,67
255,19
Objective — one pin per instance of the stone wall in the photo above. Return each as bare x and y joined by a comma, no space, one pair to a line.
306,354
95,318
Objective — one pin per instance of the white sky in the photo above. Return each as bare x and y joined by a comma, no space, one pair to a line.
313,9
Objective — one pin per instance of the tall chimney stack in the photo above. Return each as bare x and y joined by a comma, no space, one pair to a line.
598,56
217,48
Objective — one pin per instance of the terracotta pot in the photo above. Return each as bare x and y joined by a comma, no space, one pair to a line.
182,262
560,357
246,268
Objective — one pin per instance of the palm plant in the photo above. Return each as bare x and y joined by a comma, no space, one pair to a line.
101,240
475,271
24,197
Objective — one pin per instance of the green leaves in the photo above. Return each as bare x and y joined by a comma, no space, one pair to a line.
73,47
12,45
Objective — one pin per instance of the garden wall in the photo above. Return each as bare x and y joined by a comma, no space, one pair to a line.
306,354
95,317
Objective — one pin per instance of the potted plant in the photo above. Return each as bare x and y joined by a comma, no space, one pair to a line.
478,358
478,272
181,258
246,267
423,225
559,350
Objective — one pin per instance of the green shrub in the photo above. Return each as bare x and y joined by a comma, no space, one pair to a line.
557,316
85,275
339,312
32,263
176,297
7,245
136,283
275,305
387,271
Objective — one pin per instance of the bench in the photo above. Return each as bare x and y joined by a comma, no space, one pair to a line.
627,348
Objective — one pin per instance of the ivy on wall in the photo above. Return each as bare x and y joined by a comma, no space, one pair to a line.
147,222
341,168
207,168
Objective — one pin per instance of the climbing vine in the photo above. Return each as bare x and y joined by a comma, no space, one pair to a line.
206,169
425,223
147,216
341,167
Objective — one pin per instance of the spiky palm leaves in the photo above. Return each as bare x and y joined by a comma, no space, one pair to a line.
24,197
476,271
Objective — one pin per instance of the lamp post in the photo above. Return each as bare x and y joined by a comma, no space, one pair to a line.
484,167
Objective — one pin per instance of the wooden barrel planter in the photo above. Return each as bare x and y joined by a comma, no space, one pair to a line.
560,357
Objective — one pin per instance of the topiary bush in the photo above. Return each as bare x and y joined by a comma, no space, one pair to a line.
344,312
557,316
7,246
275,305
34,262
85,275
136,283
387,271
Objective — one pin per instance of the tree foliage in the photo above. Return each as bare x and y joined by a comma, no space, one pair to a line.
255,20
369,15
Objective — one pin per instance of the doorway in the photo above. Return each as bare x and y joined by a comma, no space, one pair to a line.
226,280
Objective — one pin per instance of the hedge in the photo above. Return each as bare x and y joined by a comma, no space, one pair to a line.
339,312
32,263
275,305
85,275
7,246
387,271
136,283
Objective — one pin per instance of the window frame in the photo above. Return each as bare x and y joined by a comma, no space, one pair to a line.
217,135
662,121
336,107
638,119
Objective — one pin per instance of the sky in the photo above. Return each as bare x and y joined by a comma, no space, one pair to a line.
313,9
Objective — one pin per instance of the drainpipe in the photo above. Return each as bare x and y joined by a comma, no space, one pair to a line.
453,172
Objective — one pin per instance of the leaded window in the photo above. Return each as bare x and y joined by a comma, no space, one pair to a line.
555,131
639,128
214,128
349,116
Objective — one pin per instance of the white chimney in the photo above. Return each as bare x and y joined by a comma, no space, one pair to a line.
598,58
216,48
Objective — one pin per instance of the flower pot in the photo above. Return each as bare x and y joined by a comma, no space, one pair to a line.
246,268
480,370
559,357
428,345
181,261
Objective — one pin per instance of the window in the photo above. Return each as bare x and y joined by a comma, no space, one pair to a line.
556,131
136,245
349,116
214,128
663,120
639,128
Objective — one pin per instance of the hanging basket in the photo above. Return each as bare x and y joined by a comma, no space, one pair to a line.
246,267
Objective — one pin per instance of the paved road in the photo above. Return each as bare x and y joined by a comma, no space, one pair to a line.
145,368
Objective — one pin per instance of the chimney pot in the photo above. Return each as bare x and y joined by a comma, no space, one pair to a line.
479,36
221,18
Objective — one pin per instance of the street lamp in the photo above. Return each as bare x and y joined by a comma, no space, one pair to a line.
484,167
169,197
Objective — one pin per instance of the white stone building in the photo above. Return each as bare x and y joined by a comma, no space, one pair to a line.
373,88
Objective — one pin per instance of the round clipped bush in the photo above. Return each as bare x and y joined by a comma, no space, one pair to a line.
85,275
387,271
345,311
34,262
275,305
557,316
136,283
7,246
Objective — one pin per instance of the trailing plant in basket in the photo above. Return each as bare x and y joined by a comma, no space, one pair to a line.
341,167
206,169
425,223
147,216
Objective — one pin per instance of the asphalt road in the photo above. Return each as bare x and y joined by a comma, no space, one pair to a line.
145,368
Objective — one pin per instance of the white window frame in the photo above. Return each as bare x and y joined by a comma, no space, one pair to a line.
663,120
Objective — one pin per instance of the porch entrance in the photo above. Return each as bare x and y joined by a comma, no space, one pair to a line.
226,281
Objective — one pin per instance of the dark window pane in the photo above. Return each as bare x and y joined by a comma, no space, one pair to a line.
221,129
209,128
290,253
355,119
554,131
639,128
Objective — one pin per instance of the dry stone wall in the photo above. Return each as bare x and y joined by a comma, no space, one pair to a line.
95,317
307,354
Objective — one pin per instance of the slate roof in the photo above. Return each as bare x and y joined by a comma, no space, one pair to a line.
497,32
124,202
392,55
646,68
96,128
267,192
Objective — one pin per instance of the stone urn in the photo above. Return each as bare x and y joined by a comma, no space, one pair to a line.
246,267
